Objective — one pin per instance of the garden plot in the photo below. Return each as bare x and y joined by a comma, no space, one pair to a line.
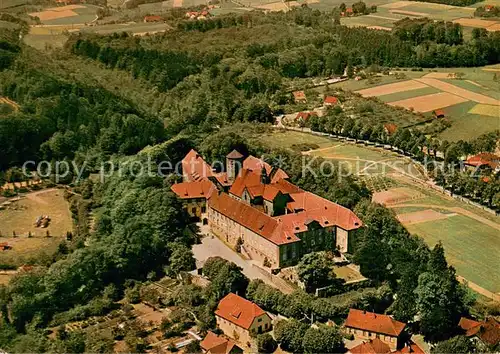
396,195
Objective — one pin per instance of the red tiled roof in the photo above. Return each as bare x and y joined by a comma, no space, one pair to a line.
438,112
250,218
266,191
411,348
255,165
310,206
299,95
373,322
234,155
194,167
152,18
246,178
216,344
287,187
484,158
391,128
331,100
305,115
238,310
488,331
373,346
349,10
196,189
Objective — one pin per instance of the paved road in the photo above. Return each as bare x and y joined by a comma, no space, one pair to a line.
212,246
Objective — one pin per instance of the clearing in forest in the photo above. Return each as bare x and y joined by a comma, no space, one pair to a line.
392,88
429,103
457,91
485,110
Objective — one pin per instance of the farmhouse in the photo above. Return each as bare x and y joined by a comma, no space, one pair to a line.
330,101
366,325
153,18
484,160
390,128
240,319
488,331
256,207
438,113
299,97
214,344
304,116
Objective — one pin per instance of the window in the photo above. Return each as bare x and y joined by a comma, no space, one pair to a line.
284,255
203,209
193,210
259,320
377,335
266,326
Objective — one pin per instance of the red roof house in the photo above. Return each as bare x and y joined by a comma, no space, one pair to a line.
484,159
390,128
214,344
299,96
304,116
255,165
487,331
365,325
438,113
154,18
330,101
373,346
239,318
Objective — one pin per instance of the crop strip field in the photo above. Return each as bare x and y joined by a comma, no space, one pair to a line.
429,103
486,110
392,88
455,90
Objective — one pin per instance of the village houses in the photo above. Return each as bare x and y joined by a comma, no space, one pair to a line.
241,319
254,205
364,325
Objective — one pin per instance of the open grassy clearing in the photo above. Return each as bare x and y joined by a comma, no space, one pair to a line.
286,139
128,27
471,247
19,216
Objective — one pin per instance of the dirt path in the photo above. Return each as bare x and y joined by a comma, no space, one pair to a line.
479,289
457,210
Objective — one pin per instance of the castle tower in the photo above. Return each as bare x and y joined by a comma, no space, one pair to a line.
264,178
234,164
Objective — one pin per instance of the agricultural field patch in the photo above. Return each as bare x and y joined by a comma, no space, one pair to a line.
67,15
402,86
486,110
396,195
421,216
475,22
408,94
455,90
429,103
131,27
470,246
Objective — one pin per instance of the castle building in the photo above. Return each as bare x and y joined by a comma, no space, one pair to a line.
254,205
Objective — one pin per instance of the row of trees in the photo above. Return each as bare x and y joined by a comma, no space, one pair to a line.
448,173
418,30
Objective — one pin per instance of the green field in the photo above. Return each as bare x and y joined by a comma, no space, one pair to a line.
127,27
86,15
471,247
408,94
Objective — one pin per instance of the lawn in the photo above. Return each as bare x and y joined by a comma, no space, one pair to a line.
286,139
471,247
19,217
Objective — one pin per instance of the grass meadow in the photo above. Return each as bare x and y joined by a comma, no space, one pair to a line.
470,246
